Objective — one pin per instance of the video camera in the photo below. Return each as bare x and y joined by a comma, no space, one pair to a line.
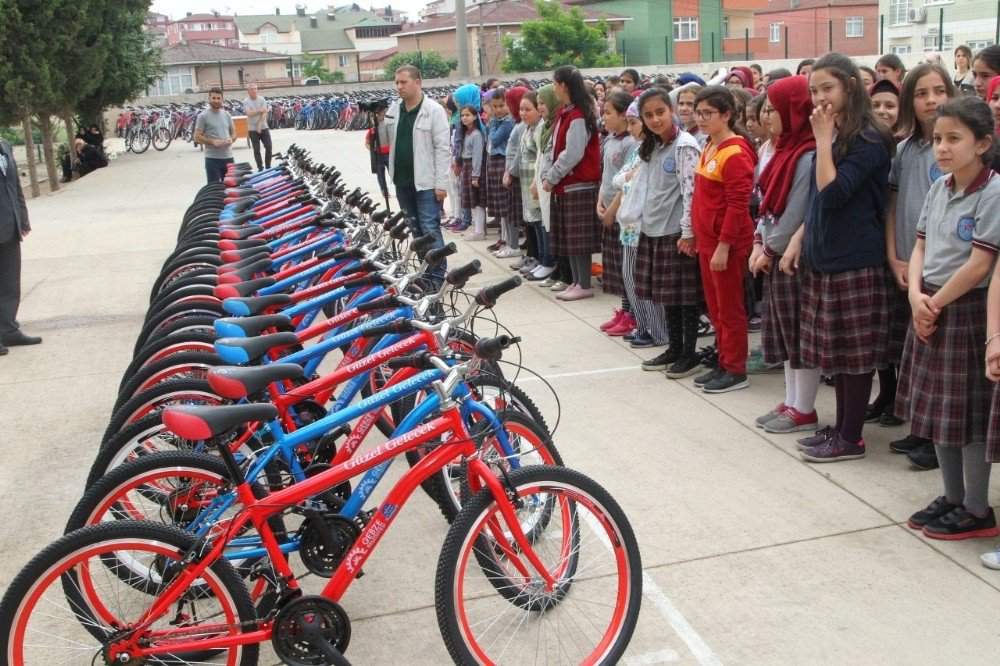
374,106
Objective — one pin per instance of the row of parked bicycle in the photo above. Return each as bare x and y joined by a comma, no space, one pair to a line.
291,323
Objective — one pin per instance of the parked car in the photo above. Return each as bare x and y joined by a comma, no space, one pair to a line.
312,81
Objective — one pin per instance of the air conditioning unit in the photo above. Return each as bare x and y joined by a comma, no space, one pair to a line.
917,15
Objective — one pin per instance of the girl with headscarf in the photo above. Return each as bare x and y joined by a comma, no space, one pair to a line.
539,263
511,183
548,104
785,183
993,99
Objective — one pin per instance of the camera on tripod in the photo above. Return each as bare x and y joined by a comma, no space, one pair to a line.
374,106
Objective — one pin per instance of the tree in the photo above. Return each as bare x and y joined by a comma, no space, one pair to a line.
432,65
557,38
315,67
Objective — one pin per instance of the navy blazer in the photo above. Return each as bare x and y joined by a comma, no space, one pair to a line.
13,208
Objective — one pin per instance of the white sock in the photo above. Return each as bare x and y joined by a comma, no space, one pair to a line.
479,220
789,385
806,387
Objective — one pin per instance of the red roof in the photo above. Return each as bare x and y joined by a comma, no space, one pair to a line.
774,6
203,17
194,53
503,13
380,55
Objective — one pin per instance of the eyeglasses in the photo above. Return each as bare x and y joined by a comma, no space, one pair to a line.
768,110
705,115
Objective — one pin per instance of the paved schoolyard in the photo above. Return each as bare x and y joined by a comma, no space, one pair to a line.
750,555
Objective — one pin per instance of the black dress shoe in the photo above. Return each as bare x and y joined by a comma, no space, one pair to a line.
923,457
18,338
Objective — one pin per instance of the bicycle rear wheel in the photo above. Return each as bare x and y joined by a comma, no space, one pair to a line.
162,137
141,142
588,548
72,597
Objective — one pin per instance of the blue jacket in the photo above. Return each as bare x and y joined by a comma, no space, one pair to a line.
499,134
845,222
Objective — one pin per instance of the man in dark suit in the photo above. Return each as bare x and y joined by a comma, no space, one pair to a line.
14,226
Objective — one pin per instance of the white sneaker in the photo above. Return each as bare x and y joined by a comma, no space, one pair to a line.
548,282
474,237
509,253
991,560
541,272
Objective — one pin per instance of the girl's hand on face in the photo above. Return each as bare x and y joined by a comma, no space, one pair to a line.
823,122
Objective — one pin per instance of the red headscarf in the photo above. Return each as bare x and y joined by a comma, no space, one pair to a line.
747,77
994,84
791,99
513,99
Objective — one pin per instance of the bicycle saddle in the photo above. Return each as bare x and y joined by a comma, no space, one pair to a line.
240,233
197,423
238,289
260,255
240,205
234,256
237,220
245,273
248,327
226,245
236,383
247,350
254,305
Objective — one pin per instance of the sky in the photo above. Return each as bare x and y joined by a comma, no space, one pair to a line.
179,8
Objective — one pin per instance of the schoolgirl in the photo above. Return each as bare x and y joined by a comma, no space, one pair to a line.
548,104
500,126
993,99
615,149
885,103
845,296
473,171
926,88
891,68
541,265
941,380
985,66
573,179
724,232
666,268
785,185
511,182
467,95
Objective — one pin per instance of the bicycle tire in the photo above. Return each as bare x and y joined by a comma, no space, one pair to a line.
171,344
173,314
57,566
161,138
193,365
164,394
575,492
141,142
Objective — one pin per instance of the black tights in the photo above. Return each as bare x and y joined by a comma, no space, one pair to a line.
887,381
682,325
531,245
852,404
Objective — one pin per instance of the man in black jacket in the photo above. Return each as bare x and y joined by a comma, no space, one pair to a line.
14,226
88,158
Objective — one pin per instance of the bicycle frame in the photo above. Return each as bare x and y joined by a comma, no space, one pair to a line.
257,512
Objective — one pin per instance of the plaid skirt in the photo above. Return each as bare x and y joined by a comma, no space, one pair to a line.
496,193
515,208
664,275
943,388
845,320
611,261
781,318
575,228
993,434
472,197
899,320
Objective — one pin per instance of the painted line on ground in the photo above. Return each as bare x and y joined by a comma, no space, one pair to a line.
581,373
680,625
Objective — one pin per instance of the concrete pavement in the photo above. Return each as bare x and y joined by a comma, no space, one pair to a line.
750,554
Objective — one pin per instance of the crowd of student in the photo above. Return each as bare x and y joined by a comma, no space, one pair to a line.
853,212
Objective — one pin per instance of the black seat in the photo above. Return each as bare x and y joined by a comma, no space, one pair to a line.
248,350
236,383
245,273
250,260
250,326
242,205
196,423
239,233
242,244
254,305
243,288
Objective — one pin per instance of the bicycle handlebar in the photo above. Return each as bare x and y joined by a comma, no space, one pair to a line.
487,296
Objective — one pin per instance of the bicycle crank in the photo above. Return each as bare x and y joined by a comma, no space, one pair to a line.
311,631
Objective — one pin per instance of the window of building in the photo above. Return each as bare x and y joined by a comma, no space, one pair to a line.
928,3
725,27
979,44
855,26
685,28
268,34
343,60
899,12
931,43
901,49
775,33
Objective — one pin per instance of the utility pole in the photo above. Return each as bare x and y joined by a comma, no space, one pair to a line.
461,39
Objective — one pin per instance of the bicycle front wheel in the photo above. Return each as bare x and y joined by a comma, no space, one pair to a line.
71,605
162,137
141,142
493,606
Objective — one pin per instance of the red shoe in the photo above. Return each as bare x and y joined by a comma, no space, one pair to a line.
614,321
624,327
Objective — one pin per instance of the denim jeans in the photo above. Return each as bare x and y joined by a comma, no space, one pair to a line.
545,255
215,168
421,207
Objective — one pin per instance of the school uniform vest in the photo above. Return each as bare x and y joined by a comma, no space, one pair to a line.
588,170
